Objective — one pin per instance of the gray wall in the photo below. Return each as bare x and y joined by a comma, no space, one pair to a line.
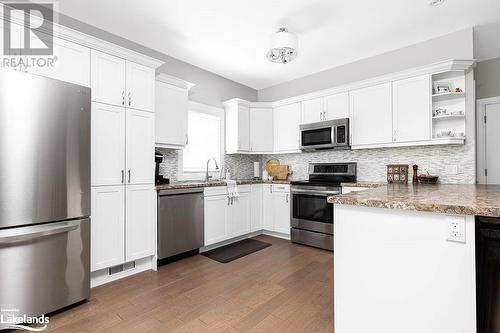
210,88
458,45
488,78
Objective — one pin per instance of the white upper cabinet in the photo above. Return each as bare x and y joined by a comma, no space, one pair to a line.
71,63
371,115
261,130
140,85
313,110
140,238
237,126
412,109
107,144
286,121
337,106
107,229
120,82
171,112
140,147
107,78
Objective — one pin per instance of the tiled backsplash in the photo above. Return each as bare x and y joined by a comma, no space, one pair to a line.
240,166
371,162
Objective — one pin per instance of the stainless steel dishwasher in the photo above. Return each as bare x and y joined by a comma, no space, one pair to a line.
180,223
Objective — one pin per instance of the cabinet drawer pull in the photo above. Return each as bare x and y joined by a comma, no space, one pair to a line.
129,176
123,176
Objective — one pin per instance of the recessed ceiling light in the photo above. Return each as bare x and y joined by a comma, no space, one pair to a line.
435,3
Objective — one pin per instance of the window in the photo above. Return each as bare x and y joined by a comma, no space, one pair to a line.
205,140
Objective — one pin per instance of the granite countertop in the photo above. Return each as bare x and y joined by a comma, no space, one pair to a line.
197,184
366,184
479,200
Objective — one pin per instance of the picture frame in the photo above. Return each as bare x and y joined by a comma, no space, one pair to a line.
442,87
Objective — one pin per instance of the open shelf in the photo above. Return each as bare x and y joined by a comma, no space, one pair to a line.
449,116
450,94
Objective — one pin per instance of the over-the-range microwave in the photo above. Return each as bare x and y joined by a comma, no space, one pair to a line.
325,135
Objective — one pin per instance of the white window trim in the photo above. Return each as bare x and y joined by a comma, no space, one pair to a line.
211,110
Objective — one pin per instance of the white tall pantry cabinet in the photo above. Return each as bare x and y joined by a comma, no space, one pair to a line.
123,141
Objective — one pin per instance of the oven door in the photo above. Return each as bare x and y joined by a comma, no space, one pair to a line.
316,136
310,209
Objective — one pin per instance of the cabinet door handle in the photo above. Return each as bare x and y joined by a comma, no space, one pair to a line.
123,176
187,139
123,97
228,200
129,100
395,139
287,198
271,189
232,201
129,176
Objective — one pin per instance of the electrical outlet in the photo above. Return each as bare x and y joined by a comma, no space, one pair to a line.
455,229
451,169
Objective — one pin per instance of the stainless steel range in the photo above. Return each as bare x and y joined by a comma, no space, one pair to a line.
311,214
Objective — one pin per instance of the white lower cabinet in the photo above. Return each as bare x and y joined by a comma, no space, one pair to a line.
281,207
276,208
140,220
258,207
225,217
239,215
107,227
122,224
215,214
257,214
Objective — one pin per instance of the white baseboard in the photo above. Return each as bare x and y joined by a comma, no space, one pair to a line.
276,234
102,276
230,241
249,235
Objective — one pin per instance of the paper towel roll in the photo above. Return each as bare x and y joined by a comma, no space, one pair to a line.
256,169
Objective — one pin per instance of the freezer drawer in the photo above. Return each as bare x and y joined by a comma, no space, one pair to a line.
44,267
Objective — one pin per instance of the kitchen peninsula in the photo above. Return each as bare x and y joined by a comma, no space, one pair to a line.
405,257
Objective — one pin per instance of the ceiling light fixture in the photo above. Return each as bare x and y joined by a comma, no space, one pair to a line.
435,3
283,47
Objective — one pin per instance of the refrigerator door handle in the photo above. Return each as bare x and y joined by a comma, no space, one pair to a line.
30,233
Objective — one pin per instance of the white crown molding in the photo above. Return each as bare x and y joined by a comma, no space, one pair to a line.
91,42
174,81
435,68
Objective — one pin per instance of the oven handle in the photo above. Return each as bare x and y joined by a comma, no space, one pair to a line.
316,192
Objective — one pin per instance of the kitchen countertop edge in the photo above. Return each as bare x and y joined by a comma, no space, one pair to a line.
194,184
472,200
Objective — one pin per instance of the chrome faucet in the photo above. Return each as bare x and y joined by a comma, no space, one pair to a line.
207,176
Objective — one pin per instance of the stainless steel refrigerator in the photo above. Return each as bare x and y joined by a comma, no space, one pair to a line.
44,193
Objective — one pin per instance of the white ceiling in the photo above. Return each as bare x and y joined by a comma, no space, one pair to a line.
230,37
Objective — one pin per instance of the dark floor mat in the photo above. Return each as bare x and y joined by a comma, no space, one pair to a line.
236,250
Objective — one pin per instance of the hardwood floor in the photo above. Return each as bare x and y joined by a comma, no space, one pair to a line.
283,288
